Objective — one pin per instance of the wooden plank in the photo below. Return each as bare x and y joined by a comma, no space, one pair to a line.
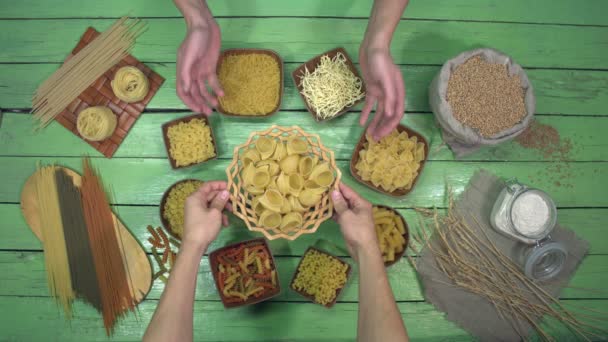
543,11
143,181
264,322
589,224
299,39
586,135
25,276
572,92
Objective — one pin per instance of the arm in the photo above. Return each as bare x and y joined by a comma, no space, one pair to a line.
197,57
379,317
383,79
172,320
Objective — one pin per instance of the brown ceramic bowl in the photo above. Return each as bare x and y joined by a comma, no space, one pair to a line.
311,297
213,261
270,53
406,236
399,192
163,202
311,65
165,128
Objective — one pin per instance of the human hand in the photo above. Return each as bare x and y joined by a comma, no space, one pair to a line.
203,215
384,88
196,67
355,217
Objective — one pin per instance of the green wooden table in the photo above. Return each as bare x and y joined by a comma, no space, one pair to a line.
562,44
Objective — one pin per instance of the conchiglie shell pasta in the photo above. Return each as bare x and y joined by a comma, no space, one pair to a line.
297,145
257,207
272,200
296,183
306,164
254,191
280,151
291,221
247,174
296,205
270,219
273,166
260,178
286,208
289,164
283,183
309,198
265,146
250,156
322,175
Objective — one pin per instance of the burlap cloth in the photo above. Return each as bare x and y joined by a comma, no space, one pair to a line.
471,312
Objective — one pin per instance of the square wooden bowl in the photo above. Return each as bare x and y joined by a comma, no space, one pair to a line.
311,297
165,129
406,236
399,192
213,261
163,202
311,65
270,53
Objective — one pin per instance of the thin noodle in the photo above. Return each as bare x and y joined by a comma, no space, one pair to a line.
80,71
53,242
82,267
114,287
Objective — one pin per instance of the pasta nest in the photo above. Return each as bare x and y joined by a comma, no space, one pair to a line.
96,123
280,181
130,84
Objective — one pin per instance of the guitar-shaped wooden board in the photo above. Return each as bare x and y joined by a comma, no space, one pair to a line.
136,262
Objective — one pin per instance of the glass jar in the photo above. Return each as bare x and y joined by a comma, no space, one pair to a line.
518,219
541,261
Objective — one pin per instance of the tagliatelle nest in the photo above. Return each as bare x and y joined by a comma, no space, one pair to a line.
250,197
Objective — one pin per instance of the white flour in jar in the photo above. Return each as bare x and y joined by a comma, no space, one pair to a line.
530,213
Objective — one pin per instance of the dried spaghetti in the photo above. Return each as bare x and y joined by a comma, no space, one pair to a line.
80,71
116,295
130,84
331,86
82,267
53,241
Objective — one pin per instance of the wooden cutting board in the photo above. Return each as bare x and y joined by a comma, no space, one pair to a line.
134,257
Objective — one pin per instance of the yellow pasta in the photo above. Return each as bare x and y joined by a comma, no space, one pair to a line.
283,180
130,84
190,142
390,231
391,163
96,123
321,276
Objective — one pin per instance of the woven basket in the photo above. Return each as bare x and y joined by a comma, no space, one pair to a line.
241,200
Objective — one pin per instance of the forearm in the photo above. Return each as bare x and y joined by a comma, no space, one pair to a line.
172,320
379,317
383,21
195,12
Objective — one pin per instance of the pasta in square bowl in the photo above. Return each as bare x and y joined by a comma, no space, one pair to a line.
391,165
279,182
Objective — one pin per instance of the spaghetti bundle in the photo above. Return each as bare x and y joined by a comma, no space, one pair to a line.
53,242
82,267
80,71
116,295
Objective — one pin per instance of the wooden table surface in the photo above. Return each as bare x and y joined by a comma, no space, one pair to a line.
562,44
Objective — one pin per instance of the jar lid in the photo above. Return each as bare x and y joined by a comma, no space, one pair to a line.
533,231
545,261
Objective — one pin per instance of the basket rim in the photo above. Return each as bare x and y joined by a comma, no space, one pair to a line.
234,166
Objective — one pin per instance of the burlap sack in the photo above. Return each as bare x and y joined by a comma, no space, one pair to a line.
464,140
